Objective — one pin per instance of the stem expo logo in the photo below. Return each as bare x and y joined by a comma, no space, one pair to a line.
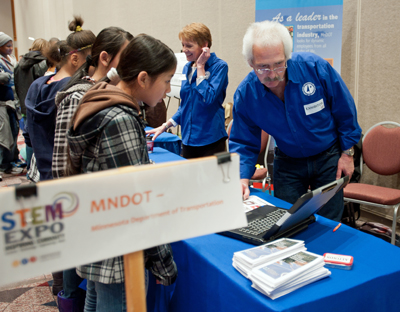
30,228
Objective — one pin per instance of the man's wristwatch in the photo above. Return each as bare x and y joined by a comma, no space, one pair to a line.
349,152
166,126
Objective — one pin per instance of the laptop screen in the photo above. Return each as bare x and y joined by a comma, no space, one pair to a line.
310,203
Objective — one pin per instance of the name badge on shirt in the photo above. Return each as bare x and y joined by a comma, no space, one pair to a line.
314,107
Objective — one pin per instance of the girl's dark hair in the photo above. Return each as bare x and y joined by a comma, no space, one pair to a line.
79,38
111,40
52,41
57,52
145,53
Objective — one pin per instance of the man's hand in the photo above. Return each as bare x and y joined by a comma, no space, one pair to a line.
345,166
245,188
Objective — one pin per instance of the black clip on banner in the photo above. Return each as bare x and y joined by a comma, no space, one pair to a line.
222,158
27,190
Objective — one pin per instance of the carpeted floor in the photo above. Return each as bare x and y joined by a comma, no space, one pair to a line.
32,295
14,180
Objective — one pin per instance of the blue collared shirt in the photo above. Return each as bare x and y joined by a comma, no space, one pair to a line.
201,114
318,111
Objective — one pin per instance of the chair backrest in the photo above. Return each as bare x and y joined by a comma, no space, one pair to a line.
381,148
265,139
228,131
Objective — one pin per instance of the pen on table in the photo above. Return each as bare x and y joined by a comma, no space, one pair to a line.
337,226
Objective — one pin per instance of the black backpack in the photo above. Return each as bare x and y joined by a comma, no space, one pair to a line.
379,230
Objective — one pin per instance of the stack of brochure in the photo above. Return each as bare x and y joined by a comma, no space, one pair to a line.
280,267
246,260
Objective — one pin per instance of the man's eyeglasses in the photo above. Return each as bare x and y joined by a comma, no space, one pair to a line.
277,70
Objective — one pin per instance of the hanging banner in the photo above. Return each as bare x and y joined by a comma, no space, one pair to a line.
60,224
315,25
178,77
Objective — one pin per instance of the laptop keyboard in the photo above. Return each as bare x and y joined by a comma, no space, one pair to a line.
262,225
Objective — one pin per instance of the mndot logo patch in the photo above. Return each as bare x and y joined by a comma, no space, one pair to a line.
309,88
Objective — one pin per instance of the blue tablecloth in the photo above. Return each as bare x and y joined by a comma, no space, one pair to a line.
159,296
208,282
168,141
161,155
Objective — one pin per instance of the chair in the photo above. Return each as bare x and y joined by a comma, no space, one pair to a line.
381,154
228,131
261,175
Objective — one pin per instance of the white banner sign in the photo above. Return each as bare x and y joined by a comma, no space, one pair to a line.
87,218
178,77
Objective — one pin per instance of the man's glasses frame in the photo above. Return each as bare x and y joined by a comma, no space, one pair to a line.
277,70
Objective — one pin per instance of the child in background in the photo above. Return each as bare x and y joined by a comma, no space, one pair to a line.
31,66
40,100
41,109
112,113
106,52
52,67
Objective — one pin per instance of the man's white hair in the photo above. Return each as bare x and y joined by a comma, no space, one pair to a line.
266,34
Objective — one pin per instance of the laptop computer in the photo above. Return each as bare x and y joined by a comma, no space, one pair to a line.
268,223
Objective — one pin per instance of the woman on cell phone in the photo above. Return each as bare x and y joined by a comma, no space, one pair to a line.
200,114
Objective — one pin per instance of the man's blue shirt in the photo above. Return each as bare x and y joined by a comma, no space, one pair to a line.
318,111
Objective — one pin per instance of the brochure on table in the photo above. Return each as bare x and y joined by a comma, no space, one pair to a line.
278,249
277,273
96,216
280,267
254,202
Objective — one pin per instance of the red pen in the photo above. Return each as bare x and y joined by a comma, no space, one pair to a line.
337,226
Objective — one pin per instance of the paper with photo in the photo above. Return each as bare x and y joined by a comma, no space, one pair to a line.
272,250
276,273
254,202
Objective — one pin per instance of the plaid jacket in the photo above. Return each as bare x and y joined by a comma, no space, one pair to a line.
67,103
113,138
33,172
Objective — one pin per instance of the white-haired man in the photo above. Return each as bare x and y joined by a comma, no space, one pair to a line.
304,104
